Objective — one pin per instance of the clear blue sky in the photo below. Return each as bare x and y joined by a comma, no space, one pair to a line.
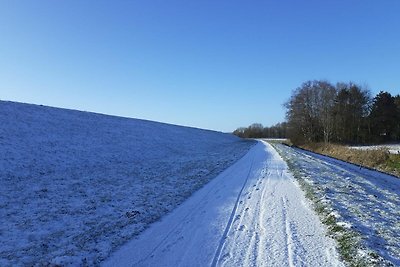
209,64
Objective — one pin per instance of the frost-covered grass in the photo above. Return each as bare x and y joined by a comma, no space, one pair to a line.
360,207
74,185
393,148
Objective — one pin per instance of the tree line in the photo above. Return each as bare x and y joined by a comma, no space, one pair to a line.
319,111
257,130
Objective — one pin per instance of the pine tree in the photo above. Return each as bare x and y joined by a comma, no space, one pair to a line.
384,117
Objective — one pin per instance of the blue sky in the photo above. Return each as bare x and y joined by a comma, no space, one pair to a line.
209,64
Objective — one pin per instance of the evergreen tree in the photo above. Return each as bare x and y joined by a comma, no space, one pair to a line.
397,102
350,113
384,117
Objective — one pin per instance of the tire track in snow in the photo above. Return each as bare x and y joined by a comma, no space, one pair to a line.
230,221
261,221
277,225
288,234
175,230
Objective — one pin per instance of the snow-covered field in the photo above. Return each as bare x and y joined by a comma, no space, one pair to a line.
252,214
365,201
393,149
74,186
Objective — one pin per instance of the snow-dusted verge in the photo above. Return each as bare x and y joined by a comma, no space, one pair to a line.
275,139
364,202
74,185
393,149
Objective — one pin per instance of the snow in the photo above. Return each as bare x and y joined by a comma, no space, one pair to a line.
75,186
366,201
393,148
252,214
275,139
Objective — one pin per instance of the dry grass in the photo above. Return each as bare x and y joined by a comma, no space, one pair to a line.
379,159
393,165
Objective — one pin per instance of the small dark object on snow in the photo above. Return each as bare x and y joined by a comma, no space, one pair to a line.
131,214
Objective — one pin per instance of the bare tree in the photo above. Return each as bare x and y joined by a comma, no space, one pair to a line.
309,112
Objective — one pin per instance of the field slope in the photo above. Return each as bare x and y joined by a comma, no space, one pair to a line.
74,186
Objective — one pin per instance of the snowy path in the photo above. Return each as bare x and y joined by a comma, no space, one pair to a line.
253,214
